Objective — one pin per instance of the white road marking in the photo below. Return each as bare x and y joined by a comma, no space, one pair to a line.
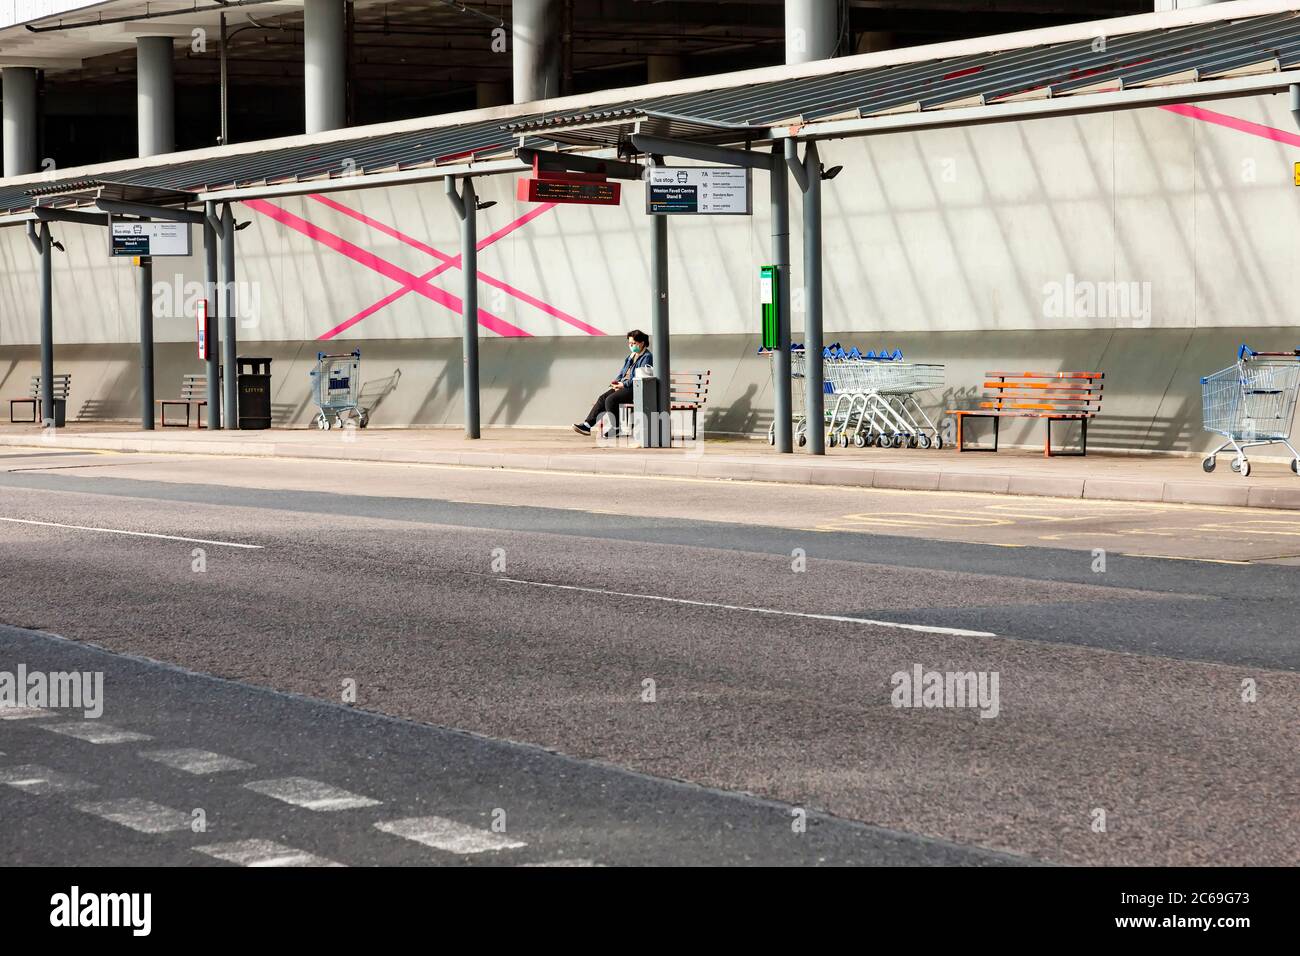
195,761
23,713
563,863
30,778
95,732
312,794
443,834
139,815
134,534
837,618
263,853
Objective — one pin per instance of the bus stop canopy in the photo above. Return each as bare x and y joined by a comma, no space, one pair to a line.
1226,50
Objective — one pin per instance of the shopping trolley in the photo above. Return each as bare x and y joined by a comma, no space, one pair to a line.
798,398
1252,403
336,384
876,403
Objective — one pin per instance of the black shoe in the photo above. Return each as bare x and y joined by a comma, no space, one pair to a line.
582,428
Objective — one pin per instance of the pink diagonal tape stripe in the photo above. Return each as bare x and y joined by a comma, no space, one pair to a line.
1232,122
453,262
386,269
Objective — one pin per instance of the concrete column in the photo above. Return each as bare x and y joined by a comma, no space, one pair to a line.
21,133
465,205
325,64
662,67
491,93
813,339
811,29
155,105
537,28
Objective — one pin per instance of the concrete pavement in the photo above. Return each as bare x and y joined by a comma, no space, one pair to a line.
1099,476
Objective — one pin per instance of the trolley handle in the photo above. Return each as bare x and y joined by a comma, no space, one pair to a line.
1246,352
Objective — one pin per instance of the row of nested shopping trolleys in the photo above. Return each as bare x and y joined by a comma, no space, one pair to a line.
870,398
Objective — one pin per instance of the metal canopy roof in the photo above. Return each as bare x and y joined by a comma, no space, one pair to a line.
1221,54
608,128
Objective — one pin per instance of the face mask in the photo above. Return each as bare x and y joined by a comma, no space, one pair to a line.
634,348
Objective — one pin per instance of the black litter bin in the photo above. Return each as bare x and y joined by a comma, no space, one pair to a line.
254,385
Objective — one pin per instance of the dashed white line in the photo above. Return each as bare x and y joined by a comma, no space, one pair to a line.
42,781
837,618
443,834
312,794
562,863
24,713
134,534
140,815
195,761
95,732
263,853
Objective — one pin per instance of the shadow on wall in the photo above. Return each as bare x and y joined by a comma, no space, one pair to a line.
740,417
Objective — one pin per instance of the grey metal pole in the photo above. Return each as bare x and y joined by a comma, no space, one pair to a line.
324,65
812,273
214,322
811,30
47,325
21,130
536,32
469,306
780,198
229,344
145,286
659,321
155,97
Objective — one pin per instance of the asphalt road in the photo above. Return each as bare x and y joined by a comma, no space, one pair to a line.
741,655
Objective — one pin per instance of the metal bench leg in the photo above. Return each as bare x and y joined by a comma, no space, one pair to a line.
962,446
1067,454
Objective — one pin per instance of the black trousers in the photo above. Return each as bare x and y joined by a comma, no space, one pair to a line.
609,402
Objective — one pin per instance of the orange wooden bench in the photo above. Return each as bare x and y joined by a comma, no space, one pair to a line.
1055,396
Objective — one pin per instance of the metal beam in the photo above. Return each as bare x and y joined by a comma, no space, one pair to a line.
372,181
660,430
780,200
228,305
808,174
145,287
211,233
720,155
465,205
45,214
117,207
579,163
45,247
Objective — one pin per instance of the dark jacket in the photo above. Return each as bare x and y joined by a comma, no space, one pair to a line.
631,364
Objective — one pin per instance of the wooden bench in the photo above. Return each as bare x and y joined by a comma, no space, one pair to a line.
688,392
62,386
194,394
1055,396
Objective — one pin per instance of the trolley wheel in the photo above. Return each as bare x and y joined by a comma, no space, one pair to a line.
923,441
1295,465
1235,464
1209,463
1245,468
832,440
771,434
938,442
860,440
883,441
913,441
803,440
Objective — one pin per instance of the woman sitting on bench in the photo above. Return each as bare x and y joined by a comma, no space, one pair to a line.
620,390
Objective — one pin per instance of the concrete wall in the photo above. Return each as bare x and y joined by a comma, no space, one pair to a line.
1146,243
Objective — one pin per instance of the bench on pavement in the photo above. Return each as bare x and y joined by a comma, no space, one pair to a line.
1054,396
62,385
194,394
688,392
